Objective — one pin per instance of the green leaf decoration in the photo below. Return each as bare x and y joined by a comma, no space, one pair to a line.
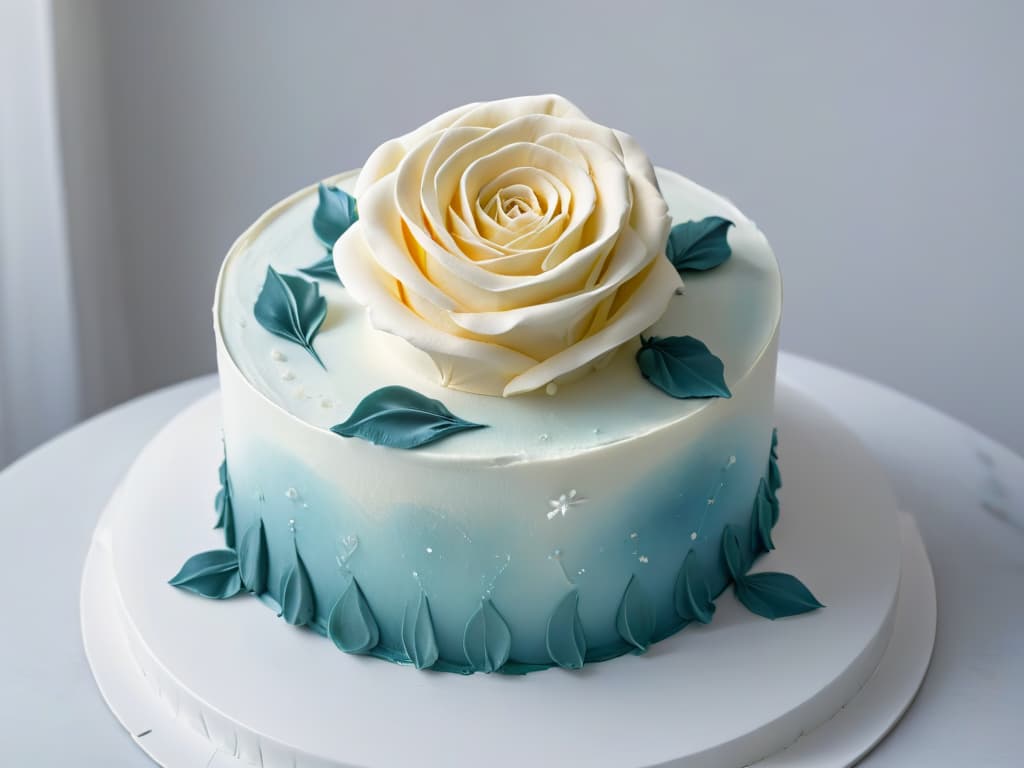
487,640
682,366
334,214
732,551
297,605
253,563
762,520
774,476
225,509
635,617
700,244
775,595
566,644
418,634
323,269
291,308
398,417
351,625
212,574
692,596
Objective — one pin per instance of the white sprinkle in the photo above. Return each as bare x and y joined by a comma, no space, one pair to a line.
287,376
732,460
278,355
597,430
551,388
292,494
693,536
430,550
581,571
634,535
643,559
544,437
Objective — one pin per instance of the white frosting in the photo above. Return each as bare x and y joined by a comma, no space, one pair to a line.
734,309
515,242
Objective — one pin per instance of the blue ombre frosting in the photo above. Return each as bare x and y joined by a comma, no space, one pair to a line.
555,536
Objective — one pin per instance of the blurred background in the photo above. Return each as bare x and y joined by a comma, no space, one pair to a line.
877,144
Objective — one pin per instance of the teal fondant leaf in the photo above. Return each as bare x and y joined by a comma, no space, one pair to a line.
401,418
682,366
211,574
252,558
692,596
762,520
774,477
635,617
699,244
225,509
487,640
335,213
323,269
351,625
297,605
566,644
418,634
775,595
291,308
732,551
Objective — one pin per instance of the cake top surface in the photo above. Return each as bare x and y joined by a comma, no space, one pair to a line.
734,309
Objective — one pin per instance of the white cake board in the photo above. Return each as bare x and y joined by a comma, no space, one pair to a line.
264,693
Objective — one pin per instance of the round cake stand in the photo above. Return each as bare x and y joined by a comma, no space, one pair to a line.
208,683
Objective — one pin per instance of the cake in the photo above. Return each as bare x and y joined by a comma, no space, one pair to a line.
502,400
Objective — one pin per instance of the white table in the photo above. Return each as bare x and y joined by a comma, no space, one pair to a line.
966,492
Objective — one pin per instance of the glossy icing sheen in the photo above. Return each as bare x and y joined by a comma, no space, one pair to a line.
464,552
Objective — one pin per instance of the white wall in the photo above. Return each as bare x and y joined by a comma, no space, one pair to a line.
877,144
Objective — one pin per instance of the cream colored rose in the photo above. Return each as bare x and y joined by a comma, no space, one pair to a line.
515,242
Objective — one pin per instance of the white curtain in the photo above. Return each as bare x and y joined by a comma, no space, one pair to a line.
39,370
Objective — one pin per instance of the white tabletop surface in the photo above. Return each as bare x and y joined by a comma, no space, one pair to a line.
966,492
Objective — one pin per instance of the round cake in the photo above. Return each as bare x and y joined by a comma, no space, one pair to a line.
500,401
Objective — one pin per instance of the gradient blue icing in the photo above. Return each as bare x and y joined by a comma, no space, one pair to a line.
393,557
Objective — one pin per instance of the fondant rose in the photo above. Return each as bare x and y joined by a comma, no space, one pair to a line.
515,242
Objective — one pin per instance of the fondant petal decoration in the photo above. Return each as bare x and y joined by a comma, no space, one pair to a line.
692,596
775,595
566,644
351,625
225,509
487,640
297,604
635,618
418,634
682,366
252,558
212,574
700,244
291,308
398,417
335,212
323,269
732,551
762,520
